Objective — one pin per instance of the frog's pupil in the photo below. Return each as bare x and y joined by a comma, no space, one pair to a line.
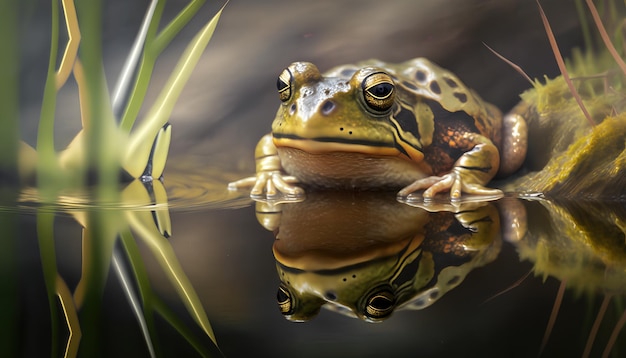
280,85
381,90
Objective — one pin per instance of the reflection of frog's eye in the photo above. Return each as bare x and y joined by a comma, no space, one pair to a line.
378,91
285,301
283,84
380,305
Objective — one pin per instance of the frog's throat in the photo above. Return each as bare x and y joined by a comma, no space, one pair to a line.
331,144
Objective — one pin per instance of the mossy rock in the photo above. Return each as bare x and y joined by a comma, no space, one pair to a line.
569,157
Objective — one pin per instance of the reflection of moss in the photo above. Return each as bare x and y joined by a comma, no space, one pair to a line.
583,244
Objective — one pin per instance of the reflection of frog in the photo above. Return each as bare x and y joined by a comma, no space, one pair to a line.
377,125
365,254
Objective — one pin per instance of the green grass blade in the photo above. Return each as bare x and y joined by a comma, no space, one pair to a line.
131,66
153,47
101,131
173,28
9,88
47,164
146,67
138,150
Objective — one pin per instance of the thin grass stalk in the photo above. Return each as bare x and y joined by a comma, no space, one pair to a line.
48,171
561,63
131,66
605,36
584,25
146,67
102,142
71,48
154,45
9,88
172,29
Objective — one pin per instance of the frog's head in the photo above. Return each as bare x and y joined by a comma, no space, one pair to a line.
359,110
370,290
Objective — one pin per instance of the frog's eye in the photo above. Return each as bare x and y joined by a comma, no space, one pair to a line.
285,301
380,305
283,84
378,91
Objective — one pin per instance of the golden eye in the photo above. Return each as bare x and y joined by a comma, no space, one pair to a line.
283,84
380,305
378,91
285,302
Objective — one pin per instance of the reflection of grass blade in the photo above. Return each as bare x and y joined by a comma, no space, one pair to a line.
143,224
71,317
143,283
138,149
178,324
122,273
45,236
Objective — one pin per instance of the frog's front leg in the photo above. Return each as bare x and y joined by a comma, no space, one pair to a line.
269,177
475,168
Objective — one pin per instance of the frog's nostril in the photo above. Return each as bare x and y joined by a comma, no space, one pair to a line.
328,107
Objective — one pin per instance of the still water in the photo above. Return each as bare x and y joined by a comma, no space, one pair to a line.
367,275
162,269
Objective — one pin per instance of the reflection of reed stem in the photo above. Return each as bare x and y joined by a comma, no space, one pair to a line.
122,273
596,325
71,317
614,335
555,311
45,236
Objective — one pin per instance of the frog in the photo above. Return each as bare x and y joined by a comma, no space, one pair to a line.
375,125
367,255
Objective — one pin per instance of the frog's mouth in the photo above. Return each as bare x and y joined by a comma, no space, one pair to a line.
332,144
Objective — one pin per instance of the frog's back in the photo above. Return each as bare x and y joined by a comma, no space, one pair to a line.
419,79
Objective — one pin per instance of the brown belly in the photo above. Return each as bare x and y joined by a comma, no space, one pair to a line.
346,170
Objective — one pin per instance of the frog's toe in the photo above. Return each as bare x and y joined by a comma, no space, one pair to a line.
268,184
285,185
242,183
419,185
452,182
477,189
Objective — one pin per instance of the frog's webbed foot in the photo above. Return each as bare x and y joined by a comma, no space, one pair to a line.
454,182
270,183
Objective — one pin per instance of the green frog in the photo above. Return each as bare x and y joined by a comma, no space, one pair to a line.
367,255
376,125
